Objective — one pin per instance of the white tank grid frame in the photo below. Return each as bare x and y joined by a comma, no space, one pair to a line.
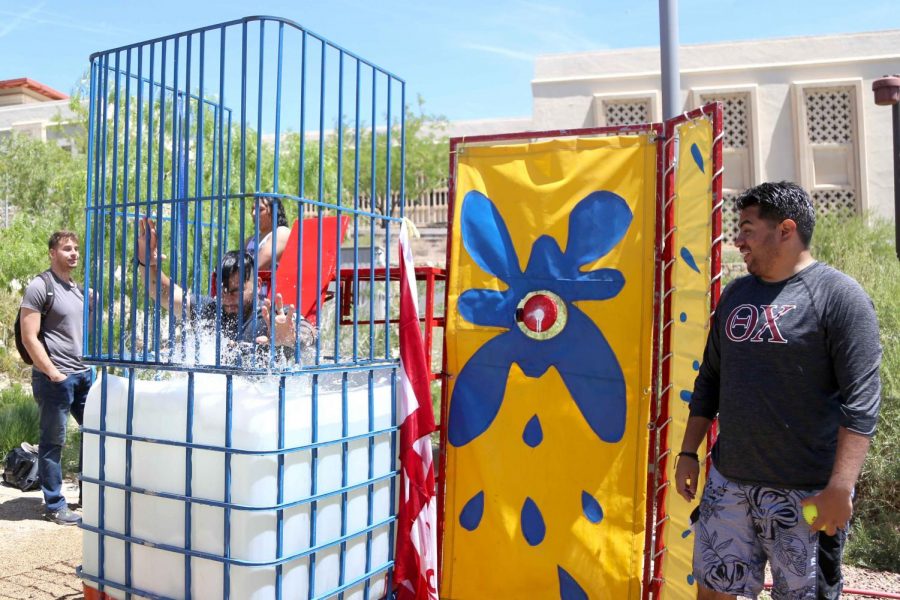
240,440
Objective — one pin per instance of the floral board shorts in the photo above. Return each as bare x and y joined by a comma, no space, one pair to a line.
741,527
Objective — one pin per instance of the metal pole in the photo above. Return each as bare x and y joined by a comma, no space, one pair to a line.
887,92
895,109
668,45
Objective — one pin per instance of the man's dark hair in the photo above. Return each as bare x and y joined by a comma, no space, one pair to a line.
780,201
59,236
231,265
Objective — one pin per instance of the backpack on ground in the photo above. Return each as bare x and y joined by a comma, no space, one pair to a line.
47,278
21,468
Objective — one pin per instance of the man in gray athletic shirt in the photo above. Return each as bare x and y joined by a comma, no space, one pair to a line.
791,371
59,380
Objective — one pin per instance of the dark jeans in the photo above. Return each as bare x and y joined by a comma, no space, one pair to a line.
56,401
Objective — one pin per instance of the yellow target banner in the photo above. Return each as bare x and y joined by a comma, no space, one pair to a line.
691,274
549,335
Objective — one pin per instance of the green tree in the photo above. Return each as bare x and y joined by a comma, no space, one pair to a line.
427,147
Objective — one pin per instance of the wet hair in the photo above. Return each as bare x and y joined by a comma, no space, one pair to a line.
59,236
780,201
231,265
275,205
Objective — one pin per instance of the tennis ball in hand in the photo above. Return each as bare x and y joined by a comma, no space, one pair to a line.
810,512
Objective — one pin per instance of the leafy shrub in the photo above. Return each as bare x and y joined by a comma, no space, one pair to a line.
71,454
19,419
866,252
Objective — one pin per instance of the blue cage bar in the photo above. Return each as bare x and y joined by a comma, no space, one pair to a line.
219,465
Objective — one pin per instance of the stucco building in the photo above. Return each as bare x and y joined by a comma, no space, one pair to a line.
31,108
800,109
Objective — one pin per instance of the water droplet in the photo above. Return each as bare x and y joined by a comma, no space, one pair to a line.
533,434
568,587
686,533
533,527
690,579
689,259
685,395
683,317
696,365
592,509
471,514
698,157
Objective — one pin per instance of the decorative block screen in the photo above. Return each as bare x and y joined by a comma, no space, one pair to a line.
829,115
831,142
736,111
834,201
626,112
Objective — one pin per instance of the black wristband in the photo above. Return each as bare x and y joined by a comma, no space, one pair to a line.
690,455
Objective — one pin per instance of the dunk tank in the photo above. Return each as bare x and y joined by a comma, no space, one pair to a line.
223,466
582,269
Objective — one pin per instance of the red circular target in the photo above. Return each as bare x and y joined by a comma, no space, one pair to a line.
539,313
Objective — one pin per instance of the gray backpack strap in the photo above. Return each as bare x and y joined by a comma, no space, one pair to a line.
47,277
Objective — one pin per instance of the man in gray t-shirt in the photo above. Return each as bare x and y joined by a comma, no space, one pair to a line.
59,380
791,371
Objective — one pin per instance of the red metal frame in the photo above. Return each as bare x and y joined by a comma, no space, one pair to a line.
661,162
430,275
660,421
715,287
455,142
659,472
440,476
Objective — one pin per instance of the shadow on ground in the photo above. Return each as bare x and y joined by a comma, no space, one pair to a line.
22,509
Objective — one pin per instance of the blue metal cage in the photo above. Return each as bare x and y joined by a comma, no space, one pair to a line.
190,132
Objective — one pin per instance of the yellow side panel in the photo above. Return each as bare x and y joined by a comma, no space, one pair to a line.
539,460
690,314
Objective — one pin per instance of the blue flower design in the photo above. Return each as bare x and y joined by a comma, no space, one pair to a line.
579,352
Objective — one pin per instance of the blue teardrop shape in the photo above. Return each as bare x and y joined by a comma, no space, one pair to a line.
471,514
690,579
533,434
683,317
685,395
685,533
592,509
568,587
698,158
689,259
532,523
696,365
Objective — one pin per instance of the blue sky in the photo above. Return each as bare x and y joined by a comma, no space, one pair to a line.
468,59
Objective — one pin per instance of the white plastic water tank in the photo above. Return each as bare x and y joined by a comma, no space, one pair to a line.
160,412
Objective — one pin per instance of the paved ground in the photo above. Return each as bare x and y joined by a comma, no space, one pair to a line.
37,558
856,578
